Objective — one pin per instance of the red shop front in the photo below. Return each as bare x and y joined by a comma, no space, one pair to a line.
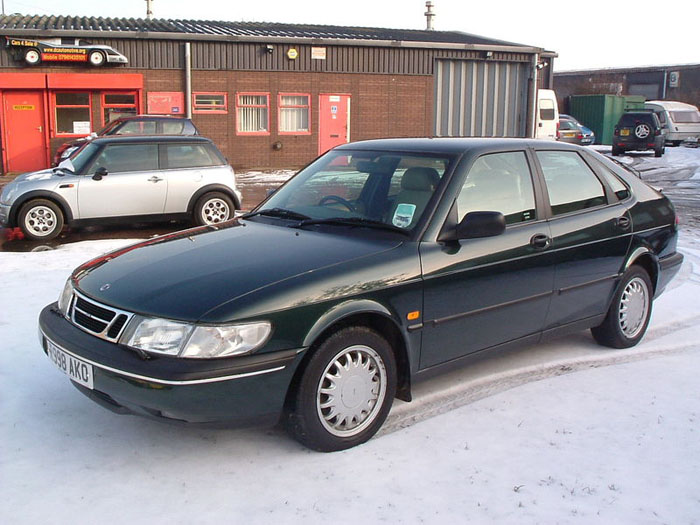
40,111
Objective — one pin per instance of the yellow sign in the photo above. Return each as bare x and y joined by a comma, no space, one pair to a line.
24,107
292,54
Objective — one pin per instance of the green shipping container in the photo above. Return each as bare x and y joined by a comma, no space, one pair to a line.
601,112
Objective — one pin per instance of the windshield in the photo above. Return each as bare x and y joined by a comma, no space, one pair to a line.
82,156
377,187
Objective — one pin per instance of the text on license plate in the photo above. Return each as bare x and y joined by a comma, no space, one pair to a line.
77,370
624,132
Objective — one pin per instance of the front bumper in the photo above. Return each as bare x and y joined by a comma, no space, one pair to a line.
5,214
239,391
117,59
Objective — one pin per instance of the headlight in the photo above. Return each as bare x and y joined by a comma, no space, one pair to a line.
65,298
201,342
159,335
224,341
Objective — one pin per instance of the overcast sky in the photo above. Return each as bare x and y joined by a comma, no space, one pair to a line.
586,34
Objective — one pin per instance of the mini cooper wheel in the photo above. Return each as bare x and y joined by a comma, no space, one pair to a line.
32,56
213,208
629,313
96,58
345,392
40,220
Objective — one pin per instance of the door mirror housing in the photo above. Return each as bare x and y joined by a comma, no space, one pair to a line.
478,224
101,172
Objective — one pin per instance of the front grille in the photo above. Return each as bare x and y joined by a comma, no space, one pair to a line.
98,319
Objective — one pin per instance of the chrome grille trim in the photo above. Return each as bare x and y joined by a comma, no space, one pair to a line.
97,329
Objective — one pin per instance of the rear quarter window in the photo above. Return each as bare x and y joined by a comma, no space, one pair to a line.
191,156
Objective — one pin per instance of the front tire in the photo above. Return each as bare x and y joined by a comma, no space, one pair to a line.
32,56
40,220
628,317
345,392
213,208
96,58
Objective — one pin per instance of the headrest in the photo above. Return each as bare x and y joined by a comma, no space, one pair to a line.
420,179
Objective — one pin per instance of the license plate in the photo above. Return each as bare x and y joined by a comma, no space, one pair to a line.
77,370
625,132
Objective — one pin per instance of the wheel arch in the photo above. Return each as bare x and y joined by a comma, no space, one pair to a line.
360,313
646,259
40,194
210,188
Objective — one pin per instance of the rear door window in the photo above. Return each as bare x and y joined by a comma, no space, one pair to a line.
571,184
546,109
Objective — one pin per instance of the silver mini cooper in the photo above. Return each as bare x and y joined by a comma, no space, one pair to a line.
127,178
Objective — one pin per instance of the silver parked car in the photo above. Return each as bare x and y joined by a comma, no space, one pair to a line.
132,178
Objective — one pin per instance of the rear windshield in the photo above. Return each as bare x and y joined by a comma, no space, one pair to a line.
631,119
685,117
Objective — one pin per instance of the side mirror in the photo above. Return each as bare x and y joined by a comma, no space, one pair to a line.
478,224
101,172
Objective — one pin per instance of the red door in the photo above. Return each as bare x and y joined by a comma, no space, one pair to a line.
25,146
334,121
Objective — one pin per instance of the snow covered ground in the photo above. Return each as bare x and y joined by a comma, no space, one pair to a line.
564,432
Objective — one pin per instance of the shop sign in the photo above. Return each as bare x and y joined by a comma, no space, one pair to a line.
34,52
318,53
24,107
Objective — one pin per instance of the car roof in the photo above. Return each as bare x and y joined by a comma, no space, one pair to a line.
123,139
451,146
672,105
150,117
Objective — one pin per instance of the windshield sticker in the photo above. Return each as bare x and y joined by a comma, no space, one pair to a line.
403,215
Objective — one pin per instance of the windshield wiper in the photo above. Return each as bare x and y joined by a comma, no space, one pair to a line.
353,221
278,212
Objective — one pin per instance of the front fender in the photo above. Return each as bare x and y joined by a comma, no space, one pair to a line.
39,194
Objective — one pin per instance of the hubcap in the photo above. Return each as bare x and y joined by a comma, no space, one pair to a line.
96,58
634,305
40,221
351,391
215,211
32,56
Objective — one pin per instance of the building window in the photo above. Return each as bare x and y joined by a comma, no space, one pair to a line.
253,113
210,103
72,113
115,105
294,115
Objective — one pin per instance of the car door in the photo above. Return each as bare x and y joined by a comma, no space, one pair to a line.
133,185
591,234
479,293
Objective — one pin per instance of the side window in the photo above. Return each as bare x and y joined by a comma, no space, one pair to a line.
190,156
571,184
618,187
127,157
173,127
546,109
135,127
499,182
662,117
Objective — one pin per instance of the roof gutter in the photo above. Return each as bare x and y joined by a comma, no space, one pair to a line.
148,35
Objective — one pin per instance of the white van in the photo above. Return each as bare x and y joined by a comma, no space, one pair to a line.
547,121
680,121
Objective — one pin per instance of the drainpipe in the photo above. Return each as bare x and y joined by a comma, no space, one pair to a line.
532,101
663,93
188,80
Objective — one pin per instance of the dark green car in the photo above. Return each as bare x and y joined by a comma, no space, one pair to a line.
378,264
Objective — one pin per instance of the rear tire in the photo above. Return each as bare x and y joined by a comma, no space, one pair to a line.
628,317
96,58
615,151
345,392
658,152
213,208
40,220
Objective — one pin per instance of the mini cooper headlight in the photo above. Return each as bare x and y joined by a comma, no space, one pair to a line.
191,341
65,298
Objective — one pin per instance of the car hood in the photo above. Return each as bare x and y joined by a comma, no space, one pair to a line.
187,274
33,176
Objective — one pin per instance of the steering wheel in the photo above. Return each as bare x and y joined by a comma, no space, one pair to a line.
330,199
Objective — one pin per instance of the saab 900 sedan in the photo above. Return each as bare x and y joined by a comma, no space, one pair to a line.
376,265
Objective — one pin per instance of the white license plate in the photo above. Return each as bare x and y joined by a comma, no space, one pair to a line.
77,370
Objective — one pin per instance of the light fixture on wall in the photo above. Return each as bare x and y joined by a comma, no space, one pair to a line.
489,54
269,48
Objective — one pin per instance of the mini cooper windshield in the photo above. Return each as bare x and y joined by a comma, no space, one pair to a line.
374,189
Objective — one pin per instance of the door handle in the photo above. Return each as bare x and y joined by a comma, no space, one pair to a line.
155,179
623,223
540,241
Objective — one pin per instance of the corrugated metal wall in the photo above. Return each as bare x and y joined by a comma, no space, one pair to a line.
252,56
480,98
